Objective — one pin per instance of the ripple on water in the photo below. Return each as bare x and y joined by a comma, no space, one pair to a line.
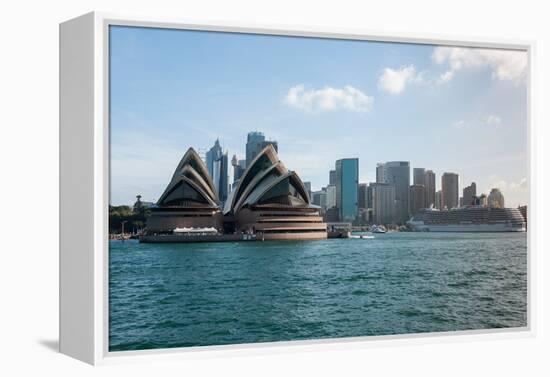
165,296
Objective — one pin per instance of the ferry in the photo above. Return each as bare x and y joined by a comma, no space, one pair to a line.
378,229
192,231
361,236
468,219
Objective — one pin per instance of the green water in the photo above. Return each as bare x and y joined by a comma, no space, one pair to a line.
179,295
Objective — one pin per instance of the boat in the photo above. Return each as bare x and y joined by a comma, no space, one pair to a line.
468,219
195,231
360,236
378,229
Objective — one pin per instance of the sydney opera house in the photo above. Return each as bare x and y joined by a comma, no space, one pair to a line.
189,200
268,200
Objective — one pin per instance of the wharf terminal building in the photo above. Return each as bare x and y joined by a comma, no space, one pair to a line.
268,199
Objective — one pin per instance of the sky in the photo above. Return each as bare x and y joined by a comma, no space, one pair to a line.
448,109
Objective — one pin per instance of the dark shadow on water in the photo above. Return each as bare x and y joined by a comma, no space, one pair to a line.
52,345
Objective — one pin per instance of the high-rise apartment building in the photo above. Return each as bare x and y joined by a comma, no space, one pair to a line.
397,173
430,189
438,200
383,203
449,190
419,176
469,195
417,196
495,199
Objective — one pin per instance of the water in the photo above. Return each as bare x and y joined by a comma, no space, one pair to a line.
178,295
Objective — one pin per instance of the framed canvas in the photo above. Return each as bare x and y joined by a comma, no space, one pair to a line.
241,188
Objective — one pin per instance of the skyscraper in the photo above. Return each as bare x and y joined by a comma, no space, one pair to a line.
212,155
255,142
331,195
332,177
383,203
438,200
469,195
449,190
380,178
430,189
417,194
323,200
319,198
239,166
483,200
221,179
347,180
362,198
495,198
217,165
369,196
307,185
397,173
316,197
419,176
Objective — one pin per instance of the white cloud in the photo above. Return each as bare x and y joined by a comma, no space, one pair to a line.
509,185
459,124
446,77
489,120
394,81
328,99
515,191
521,184
493,120
504,64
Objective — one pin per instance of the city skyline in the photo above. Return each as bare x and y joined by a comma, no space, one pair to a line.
461,111
414,177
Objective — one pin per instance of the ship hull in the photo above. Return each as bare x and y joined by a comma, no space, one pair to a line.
466,228
468,219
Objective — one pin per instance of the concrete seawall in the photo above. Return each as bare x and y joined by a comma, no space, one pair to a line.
176,238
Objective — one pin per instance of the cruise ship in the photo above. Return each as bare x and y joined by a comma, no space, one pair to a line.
468,219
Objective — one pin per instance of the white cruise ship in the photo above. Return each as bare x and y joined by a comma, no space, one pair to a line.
468,219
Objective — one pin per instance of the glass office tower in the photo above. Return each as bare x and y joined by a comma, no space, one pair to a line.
347,182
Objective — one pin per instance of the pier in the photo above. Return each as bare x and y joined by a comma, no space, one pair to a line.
184,238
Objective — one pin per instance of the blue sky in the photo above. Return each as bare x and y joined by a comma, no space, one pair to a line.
461,110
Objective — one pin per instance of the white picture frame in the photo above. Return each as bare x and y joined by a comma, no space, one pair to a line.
84,185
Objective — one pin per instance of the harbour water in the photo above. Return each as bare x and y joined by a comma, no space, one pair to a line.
180,295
